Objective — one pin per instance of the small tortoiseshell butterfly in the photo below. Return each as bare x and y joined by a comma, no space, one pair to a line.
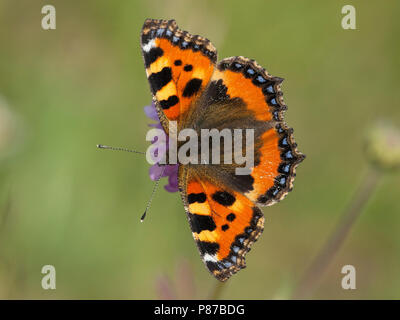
222,207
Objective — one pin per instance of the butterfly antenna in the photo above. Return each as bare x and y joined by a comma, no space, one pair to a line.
101,146
152,193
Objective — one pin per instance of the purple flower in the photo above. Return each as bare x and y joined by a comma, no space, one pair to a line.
171,171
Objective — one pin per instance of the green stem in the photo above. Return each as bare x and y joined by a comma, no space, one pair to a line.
312,277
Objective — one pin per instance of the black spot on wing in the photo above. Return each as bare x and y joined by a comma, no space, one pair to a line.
197,197
152,55
216,92
160,79
208,247
244,183
166,104
188,67
212,266
192,87
201,222
224,198
230,217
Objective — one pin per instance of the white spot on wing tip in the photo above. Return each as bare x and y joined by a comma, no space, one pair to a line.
151,44
209,257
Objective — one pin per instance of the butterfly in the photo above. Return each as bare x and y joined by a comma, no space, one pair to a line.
190,87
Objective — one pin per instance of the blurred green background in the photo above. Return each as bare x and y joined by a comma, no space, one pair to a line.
65,203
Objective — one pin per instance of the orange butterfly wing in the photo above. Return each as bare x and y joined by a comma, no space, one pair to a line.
178,66
224,223
223,215
273,174
223,212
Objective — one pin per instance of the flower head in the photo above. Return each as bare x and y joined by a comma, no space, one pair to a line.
171,171
383,145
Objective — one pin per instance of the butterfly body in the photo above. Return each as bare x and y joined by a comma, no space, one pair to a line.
190,87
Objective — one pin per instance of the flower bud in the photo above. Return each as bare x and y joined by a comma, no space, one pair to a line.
383,146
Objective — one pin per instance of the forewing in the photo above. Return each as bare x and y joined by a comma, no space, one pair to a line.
178,66
249,97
